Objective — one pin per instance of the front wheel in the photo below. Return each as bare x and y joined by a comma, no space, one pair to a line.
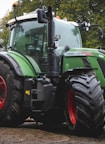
84,105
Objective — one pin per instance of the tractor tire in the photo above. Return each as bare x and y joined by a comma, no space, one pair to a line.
11,97
84,105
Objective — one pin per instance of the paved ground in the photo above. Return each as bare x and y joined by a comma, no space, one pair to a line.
29,133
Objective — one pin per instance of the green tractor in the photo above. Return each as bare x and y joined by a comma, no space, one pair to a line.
47,75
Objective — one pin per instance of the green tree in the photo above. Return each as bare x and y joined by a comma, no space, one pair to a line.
4,34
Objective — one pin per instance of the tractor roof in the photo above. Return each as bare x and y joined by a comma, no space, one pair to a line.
25,16
33,15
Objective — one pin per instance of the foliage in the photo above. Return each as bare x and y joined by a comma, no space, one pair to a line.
91,11
4,31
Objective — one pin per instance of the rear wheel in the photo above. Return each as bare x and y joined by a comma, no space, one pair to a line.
11,97
84,105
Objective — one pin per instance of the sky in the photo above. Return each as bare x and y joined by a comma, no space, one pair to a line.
5,6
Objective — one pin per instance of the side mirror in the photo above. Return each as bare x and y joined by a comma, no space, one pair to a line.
85,25
41,15
100,33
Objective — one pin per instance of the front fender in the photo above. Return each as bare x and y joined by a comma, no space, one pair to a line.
77,71
75,62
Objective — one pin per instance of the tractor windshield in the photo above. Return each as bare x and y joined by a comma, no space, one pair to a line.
67,34
28,37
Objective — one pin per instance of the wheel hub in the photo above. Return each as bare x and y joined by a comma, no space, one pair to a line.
3,92
72,107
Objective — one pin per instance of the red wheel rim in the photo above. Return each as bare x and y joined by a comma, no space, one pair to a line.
3,92
72,107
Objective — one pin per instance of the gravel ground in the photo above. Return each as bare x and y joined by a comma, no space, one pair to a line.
30,133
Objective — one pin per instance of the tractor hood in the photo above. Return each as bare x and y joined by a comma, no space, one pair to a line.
83,52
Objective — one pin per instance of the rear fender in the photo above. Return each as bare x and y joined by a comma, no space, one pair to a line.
13,64
27,64
21,65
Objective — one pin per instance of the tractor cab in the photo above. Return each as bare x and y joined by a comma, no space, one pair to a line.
30,37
